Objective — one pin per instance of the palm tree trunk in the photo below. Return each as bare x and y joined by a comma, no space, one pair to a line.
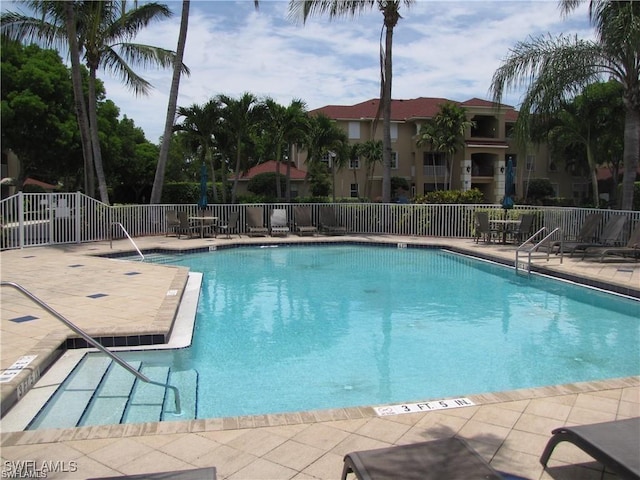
213,175
278,186
235,180
158,182
288,172
78,97
386,118
630,155
95,140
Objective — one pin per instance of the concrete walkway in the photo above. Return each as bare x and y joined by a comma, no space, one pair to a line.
139,300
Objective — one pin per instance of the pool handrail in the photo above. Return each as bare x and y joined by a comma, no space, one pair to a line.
526,246
128,236
95,343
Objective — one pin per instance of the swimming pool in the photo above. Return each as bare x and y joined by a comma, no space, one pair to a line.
297,328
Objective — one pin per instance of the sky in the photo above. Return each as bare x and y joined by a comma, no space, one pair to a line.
448,48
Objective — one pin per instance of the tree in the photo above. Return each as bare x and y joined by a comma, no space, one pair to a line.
445,132
555,69
158,182
38,121
390,9
284,126
240,117
104,30
325,139
201,124
371,151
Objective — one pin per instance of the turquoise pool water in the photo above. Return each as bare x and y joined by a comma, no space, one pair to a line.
297,328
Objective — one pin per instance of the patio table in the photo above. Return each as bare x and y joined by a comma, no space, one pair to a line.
202,220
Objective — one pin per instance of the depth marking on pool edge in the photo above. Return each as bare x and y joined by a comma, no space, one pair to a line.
423,406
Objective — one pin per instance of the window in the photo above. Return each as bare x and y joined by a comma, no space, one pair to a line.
531,163
394,132
354,130
354,163
553,165
580,191
394,160
354,190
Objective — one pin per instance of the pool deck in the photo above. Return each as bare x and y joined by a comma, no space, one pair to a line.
115,298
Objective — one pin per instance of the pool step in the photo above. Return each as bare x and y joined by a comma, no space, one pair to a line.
101,392
161,258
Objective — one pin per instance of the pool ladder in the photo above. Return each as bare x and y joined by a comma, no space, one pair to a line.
529,247
96,344
128,236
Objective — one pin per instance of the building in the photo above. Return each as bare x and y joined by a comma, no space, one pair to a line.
480,163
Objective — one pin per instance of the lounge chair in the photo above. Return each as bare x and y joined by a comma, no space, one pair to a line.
302,221
329,223
608,238
523,229
586,234
173,223
186,227
231,224
255,222
448,458
632,248
615,444
483,227
278,224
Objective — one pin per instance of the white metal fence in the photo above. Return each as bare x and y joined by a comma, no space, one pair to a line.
36,219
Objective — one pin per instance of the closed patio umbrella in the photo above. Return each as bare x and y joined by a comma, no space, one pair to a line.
203,201
509,191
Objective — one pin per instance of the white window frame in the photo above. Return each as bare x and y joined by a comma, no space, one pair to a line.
354,164
356,190
394,132
395,162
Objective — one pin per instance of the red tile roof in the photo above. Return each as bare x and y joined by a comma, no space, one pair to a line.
402,110
270,166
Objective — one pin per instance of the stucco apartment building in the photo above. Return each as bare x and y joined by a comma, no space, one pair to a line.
480,163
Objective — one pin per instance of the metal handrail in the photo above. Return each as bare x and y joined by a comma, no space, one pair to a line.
93,342
128,236
535,247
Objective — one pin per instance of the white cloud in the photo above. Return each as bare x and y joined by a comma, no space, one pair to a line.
441,49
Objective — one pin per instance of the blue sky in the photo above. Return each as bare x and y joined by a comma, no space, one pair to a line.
447,48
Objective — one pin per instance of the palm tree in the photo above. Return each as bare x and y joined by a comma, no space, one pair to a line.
371,151
104,31
163,157
390,9
445,132
240,117
282,125
201,124
555,69
325,138
48,28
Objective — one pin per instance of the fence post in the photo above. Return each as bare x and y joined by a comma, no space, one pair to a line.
21,219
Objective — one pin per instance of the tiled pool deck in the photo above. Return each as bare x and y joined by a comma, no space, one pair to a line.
115,298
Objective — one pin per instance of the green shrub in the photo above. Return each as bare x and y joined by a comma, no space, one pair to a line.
472,196
264,184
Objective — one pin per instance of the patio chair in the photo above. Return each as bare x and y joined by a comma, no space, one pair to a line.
206,473
173,223
586,234
302,221
632,248
448,458
255,222
614,444
523,229
231,224
186,227
329,223
278,224
483,227
608,238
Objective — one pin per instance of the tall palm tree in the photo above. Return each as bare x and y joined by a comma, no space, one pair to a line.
55,26
163,157
104,31
390,9
201,123
445,132
555,69
240,117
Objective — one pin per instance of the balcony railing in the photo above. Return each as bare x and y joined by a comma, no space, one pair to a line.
38,219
